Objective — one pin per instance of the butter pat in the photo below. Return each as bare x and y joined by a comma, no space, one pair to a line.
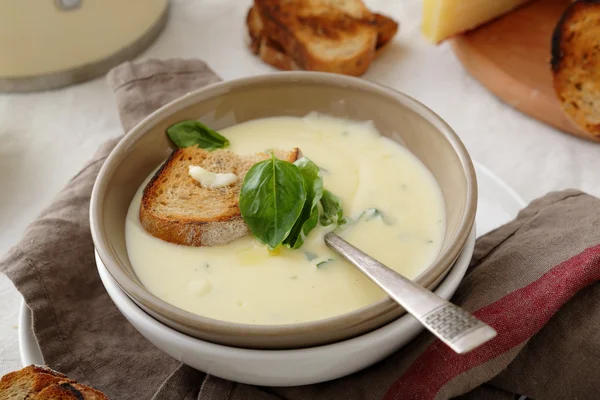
445,18
209,179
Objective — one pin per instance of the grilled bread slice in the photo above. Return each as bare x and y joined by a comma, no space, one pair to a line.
269,51
274,54
255,28
386,29
68,391
177,209
576,64
41,383
321,35
30,380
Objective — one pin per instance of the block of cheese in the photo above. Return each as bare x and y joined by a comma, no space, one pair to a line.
445,18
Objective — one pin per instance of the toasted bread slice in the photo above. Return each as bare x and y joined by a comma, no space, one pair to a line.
321,35
30,380
177,209
68,391
269,51
386,29
255,29
274,54
41,383
576,64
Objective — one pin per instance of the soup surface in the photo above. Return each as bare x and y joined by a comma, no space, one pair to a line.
393,205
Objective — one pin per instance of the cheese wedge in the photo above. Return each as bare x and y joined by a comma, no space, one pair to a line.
445,18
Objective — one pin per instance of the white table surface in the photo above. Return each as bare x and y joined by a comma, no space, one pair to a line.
46,137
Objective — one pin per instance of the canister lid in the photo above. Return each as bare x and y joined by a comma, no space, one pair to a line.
46,44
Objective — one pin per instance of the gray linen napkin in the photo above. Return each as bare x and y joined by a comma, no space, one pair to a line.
532,279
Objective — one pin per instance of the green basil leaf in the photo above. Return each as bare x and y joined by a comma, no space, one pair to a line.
332,209
271,200
320,264
194,133
313,183
372,213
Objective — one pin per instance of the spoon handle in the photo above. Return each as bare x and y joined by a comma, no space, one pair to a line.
450,323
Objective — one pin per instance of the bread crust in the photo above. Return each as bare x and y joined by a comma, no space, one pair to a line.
192,231
386,28
255,28
575,64
273,54
41,383
69,391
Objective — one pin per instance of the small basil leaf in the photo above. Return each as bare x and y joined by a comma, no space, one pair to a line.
313,182
271,200
320,264
332,209
373,213
194,133
301,228
376,213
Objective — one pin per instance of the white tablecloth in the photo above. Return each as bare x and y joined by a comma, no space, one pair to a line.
46,137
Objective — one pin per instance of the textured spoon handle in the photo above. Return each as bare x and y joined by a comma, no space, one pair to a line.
450,323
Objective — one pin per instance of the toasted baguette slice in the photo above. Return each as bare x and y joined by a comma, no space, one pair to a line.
273,53
268,50
386,29
30,380
576,64
68,391
41,383
255,28
321,35
177,209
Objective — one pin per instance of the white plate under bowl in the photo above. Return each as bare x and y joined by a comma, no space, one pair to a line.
497,205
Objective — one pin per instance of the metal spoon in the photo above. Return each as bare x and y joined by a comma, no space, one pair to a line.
450,323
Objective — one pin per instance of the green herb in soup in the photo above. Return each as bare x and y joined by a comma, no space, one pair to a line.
194,133
373,213
279,201
271,200
322,263
332,209
309,217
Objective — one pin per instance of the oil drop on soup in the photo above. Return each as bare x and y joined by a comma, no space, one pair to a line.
395,213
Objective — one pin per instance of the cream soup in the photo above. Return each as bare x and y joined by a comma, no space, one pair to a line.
395,213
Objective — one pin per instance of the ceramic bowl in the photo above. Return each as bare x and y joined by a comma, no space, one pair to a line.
282,367
394,114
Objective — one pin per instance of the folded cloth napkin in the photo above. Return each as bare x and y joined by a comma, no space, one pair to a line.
532,280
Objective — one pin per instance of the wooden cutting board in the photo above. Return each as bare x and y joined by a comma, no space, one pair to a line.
511,57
